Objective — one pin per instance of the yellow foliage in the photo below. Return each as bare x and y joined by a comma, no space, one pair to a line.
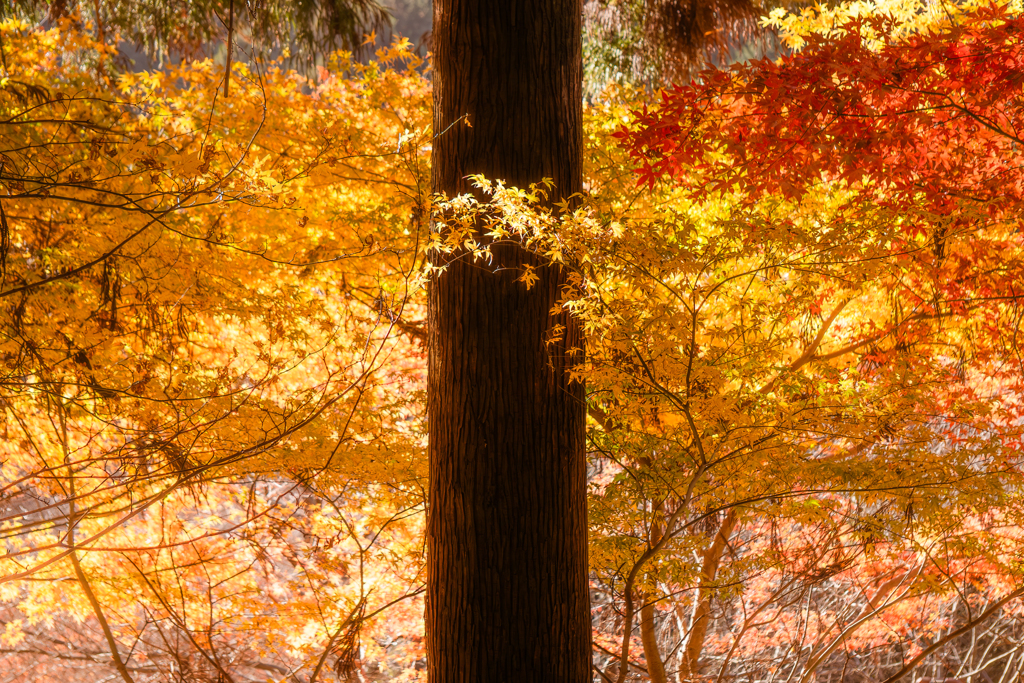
910,16
213,364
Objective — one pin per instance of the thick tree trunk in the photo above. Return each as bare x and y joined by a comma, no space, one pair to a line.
507,596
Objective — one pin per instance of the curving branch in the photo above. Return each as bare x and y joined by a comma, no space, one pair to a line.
953,635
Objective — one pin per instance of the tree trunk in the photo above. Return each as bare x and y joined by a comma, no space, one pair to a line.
648,634
690,665
507,594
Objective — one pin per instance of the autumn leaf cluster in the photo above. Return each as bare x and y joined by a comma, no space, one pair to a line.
803,369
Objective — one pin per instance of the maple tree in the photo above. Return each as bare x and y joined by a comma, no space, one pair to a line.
871,184
803,369
203,425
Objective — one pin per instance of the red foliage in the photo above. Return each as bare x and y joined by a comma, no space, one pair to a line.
928,123
923,132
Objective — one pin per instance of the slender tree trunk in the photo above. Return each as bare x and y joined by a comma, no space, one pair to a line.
507,595
648,634
690,665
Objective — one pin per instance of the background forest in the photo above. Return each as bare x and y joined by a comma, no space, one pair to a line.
801,282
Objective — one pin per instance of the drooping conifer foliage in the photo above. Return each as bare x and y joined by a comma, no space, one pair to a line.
654,42
179,28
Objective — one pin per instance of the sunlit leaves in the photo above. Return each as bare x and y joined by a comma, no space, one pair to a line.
209,337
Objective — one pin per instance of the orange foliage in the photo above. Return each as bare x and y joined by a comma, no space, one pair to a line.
213,370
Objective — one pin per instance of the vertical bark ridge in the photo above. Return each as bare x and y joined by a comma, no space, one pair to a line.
507,596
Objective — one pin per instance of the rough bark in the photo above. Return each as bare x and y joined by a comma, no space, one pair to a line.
507,596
